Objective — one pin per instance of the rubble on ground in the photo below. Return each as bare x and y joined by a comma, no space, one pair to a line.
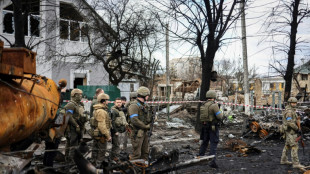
176,135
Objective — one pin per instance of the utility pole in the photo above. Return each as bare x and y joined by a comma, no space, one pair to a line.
245,60
167,70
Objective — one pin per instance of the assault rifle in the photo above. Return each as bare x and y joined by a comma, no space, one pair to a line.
300,137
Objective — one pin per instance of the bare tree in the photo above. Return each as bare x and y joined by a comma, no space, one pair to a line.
226,69
123,39
285,20
205,22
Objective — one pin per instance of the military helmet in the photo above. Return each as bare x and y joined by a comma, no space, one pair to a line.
211,94
62,83
143,91
76,91
133,95
292,100
103,96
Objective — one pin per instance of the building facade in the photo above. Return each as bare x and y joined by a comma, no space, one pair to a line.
54,28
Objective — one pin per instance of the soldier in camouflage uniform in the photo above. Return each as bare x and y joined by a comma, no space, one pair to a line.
140,120
210,117
101,125
94,102
74,132
133,97
125,135
291,129
119,124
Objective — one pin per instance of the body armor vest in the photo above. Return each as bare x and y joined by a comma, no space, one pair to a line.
206,113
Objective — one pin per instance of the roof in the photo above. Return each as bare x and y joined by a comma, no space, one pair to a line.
303,69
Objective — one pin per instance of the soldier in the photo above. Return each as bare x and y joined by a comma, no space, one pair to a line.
133,97
140,120
210,117
74,132
124,99
124,136
291,129
101,125
94,102
119,124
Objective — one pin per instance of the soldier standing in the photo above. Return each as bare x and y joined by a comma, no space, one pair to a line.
124,100
101,125
210,117
291,129
74,132
94,102
140,120
119,124
125,135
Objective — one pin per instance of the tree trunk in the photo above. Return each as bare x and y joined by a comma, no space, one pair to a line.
291,53
206,64
18,24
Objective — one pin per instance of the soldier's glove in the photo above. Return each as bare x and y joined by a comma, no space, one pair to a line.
78,129
147,126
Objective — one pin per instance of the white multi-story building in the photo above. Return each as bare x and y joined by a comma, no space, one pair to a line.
54,28
187,68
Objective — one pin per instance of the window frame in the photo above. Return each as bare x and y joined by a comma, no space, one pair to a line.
28,24
81,24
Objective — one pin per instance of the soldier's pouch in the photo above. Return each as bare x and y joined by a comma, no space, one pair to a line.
102,140
140,133
96,133
282,128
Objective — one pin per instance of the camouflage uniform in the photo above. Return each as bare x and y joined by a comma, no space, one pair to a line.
210,117
93,103
140,119
291,129
102,127
118,126
74,132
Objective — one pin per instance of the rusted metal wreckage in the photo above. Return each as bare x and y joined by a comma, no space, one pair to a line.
268,125
28,102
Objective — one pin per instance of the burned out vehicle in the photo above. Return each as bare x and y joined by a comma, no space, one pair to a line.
266,125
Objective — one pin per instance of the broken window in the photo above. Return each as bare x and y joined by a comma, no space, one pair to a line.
64,29
272,86
84,32
34,25
162,90
31,23
74,31
72,26
304,76
8,22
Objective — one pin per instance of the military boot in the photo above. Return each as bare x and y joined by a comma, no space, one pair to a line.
299,166
213,165
286,162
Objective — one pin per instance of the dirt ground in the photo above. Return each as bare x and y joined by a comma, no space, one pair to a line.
268,161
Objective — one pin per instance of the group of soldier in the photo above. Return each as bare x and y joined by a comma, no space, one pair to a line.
133,119
125,119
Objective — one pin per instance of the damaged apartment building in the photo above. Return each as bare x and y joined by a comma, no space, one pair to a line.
56,31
